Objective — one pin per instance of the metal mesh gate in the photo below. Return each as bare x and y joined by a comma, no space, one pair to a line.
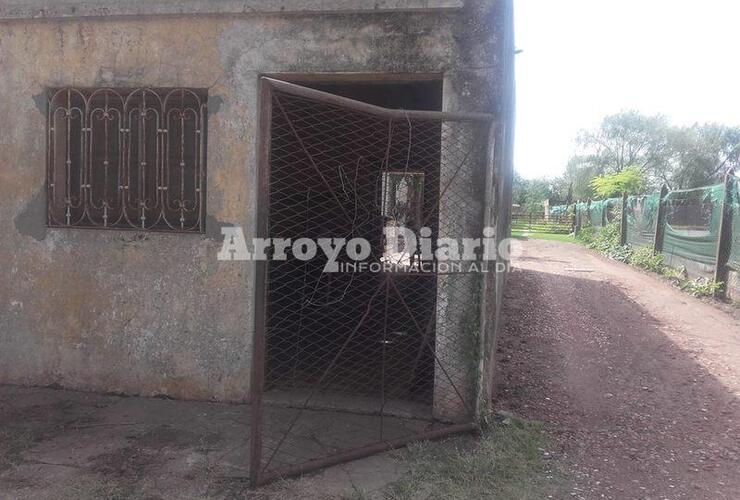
387,349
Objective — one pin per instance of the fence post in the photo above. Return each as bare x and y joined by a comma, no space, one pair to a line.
577,219
604,210
660,223
574,220
723,239
623,222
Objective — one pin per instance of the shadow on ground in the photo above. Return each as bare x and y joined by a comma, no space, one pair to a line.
634,415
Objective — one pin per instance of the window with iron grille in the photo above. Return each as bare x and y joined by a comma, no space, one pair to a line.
127,158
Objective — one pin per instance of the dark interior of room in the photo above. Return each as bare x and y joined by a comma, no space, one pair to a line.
350,333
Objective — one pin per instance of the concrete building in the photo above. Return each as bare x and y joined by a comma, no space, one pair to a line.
91,301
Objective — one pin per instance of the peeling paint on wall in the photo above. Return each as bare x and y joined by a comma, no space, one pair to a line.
214,104
213,227
42,102
32,220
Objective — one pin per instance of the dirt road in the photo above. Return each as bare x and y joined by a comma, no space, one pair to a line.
639,383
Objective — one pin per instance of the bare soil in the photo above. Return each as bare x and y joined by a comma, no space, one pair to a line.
638,382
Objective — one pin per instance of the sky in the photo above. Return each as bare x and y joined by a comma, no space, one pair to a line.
584,59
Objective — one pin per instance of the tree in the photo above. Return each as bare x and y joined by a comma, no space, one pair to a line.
561,191
702,155
680,157
530,194
627,139
579,173
630,180
623,140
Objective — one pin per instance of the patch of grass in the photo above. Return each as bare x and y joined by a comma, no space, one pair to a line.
507,462
525,235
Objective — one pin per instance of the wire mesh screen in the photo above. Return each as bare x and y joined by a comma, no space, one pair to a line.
596,213
692,222
370,354
582,215
734,206
642,218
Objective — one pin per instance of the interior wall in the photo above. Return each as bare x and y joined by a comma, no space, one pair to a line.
423,95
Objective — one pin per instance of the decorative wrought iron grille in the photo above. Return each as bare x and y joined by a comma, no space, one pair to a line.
127,159
356,362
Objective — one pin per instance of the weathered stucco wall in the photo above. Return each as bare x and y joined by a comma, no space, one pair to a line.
148,313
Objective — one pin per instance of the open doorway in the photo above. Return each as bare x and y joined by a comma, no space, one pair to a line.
335,174
384,348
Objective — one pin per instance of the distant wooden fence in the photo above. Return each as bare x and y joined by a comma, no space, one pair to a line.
538,223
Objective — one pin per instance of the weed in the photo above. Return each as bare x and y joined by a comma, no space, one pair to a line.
508,461
646,258
586,235
607,240
676,275
701,287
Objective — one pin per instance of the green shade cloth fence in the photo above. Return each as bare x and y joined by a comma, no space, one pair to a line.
580,212
692,221
642,219
596,213
559,210
734,262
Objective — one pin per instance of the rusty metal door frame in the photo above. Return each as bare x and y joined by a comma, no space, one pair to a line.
260,284
267,87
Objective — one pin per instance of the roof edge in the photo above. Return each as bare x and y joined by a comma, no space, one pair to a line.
70,9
